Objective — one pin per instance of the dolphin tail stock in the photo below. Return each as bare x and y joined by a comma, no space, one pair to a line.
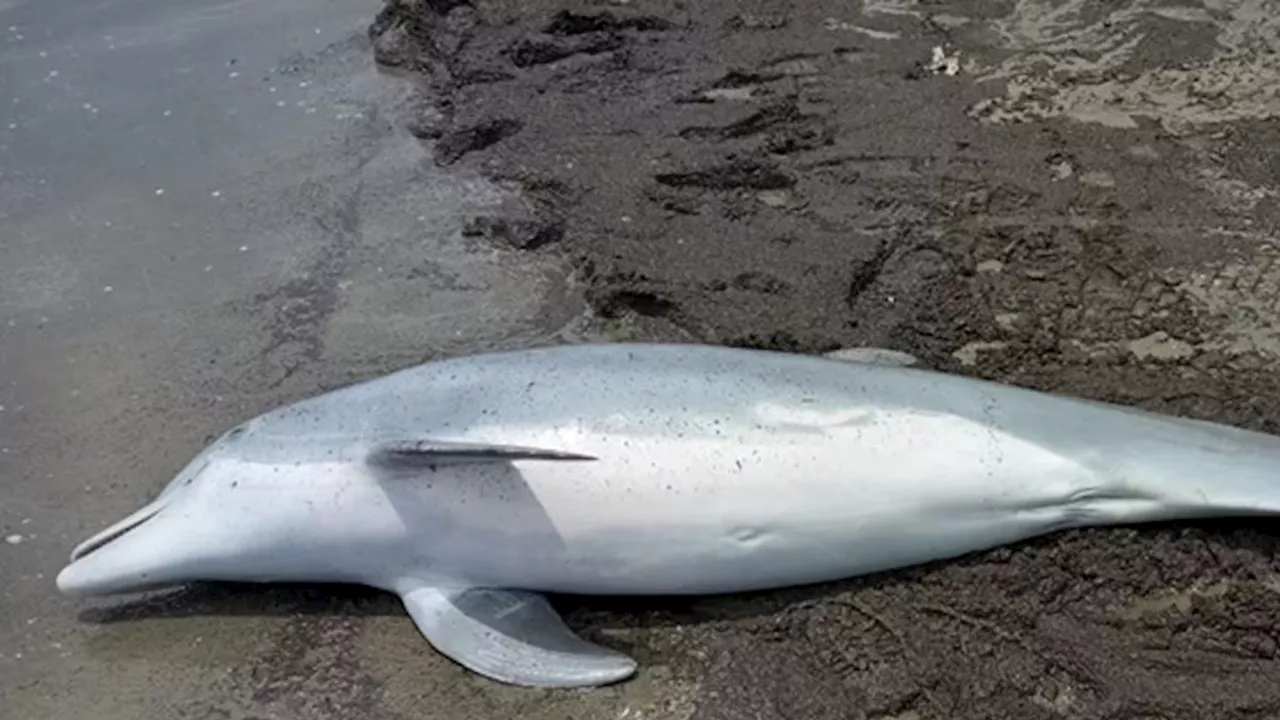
511,636
1198,469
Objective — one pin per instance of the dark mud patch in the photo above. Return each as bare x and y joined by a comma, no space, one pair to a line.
298,310
521,234
800,176
453,145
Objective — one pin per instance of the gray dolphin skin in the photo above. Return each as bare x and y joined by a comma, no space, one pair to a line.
472,486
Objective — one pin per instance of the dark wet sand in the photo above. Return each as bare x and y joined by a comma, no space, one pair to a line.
800,176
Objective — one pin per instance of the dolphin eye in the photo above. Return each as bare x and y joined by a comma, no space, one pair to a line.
235,432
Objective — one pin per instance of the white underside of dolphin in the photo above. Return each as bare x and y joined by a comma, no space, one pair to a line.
472,486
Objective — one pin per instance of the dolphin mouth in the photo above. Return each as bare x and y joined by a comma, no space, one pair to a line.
116,531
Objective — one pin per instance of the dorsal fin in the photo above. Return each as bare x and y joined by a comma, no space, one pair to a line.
873,356
438,452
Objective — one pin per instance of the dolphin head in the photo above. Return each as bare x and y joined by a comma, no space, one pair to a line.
173,539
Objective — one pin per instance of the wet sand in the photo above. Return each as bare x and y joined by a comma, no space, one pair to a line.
207,210
1066,196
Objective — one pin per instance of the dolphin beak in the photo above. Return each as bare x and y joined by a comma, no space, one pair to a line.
128,556
116,530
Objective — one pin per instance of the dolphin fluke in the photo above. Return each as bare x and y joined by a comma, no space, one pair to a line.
512,636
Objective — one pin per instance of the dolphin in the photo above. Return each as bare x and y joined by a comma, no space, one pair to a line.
473,486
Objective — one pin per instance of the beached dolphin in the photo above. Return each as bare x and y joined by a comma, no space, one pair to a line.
471,486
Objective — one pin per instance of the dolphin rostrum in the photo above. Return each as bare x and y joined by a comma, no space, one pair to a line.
471,486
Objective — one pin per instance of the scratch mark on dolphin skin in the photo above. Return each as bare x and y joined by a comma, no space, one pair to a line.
513,608
748,536
778,414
